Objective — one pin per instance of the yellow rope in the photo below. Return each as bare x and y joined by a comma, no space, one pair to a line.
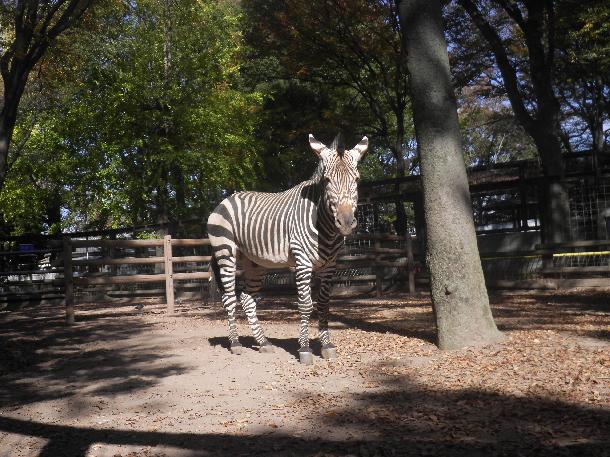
578,254
562,254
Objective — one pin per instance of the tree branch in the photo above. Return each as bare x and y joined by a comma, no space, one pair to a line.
507,70
512,9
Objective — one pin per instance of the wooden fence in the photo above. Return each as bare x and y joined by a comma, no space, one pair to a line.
565,265
70,258
58,268
167,259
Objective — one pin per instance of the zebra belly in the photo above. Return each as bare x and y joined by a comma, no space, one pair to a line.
270,263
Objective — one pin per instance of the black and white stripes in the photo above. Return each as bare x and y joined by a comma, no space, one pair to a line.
302,227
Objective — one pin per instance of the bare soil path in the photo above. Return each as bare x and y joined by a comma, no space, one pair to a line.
139,383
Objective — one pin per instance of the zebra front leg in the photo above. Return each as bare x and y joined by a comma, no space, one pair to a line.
328,349
303,279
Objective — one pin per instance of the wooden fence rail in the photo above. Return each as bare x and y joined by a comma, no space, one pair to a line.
572,264
168,276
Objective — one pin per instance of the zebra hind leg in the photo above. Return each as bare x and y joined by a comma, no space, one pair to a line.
224,270
249,305
254,280
229,302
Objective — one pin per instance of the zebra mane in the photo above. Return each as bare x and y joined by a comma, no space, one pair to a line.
318,174
338,144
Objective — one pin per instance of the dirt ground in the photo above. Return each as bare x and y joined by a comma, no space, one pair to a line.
136,382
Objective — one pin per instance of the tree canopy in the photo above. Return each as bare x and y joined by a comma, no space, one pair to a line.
152,126
151,110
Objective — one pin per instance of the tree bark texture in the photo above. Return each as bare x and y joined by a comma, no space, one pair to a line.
459,296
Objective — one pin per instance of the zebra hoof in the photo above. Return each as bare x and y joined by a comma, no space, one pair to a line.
306,357
266,348
329,352
236,348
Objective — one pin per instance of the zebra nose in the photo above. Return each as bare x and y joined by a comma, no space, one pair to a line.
344,219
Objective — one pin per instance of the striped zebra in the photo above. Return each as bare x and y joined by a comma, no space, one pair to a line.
302,227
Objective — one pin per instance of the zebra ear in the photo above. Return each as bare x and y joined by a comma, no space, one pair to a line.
316,145
360,149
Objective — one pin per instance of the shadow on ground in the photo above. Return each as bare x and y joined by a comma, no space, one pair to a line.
412,316
290,345
405,420
475,422
42,358
584,313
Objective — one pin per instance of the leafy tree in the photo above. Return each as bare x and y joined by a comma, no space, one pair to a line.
584,86
526,40
35,26
347,59
490,131
156,125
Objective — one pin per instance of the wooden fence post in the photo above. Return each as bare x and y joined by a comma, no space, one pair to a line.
378,272
410,263
169,273
68,280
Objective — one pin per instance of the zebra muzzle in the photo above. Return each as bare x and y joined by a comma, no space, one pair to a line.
345,220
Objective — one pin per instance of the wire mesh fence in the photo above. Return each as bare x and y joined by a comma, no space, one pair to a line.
590,209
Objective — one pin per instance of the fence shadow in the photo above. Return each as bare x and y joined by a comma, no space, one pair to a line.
583,313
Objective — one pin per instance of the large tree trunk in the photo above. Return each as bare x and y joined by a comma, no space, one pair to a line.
5,141
401,171
459,296
8,118
556,204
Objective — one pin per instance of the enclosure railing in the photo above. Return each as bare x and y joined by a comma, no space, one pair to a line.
550,266
378,257
167,259
68,268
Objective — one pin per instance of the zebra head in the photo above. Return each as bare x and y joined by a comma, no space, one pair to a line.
339,172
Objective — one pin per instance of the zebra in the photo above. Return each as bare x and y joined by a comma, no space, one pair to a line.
302,227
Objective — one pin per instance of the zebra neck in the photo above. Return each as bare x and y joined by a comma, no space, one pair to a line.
324,217
326,223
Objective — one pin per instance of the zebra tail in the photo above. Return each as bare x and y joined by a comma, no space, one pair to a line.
214,281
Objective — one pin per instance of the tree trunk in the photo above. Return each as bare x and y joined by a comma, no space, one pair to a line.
36,25
8,117
401,170
556,205
459,296
5,141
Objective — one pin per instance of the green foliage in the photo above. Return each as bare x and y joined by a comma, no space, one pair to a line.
152,110
585,32
328,66
155,126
